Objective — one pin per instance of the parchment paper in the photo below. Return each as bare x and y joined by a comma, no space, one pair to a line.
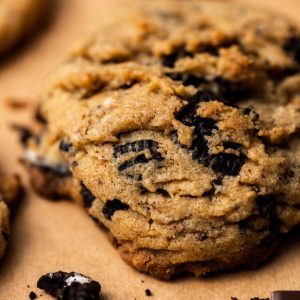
49,236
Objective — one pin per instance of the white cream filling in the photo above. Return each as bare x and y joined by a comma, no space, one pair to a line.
77,278
37,160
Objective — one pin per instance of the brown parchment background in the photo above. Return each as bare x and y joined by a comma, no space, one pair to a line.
49,236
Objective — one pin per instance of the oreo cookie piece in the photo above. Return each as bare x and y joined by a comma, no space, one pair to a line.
111,206
69,286
292,47
87,196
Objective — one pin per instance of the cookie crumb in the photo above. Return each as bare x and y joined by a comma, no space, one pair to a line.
32,295
16,104
24,133
68,286
148,292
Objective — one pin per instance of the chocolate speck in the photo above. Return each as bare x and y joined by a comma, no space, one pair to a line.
111,206
148,292
32,295
202,236
24,133
87,196
65,146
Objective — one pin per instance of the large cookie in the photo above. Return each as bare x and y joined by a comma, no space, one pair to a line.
18,18
177,128
9,192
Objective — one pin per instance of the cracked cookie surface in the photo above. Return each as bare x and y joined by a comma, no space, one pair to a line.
179,132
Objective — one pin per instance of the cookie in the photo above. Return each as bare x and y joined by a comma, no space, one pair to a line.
10,191
69,286
178,131
18,18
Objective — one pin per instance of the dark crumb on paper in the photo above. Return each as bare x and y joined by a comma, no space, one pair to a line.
32,295
38,116
148,292
69,286
24,133
15,103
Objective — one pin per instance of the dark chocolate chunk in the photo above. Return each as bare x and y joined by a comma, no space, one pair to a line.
163,192
148,292
111,206
214,183
191,79
87,196
59,170
286,295
25,133
136,146
202,236
265,205
210,49
140,159
248,111
243,226
187,79
227,164
65,146
234,298
230,92
231,145
257,298
170,60
204,126
86,291
175,76
69,286
209,193
32,295
292,47
187,113
157,156
224,163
